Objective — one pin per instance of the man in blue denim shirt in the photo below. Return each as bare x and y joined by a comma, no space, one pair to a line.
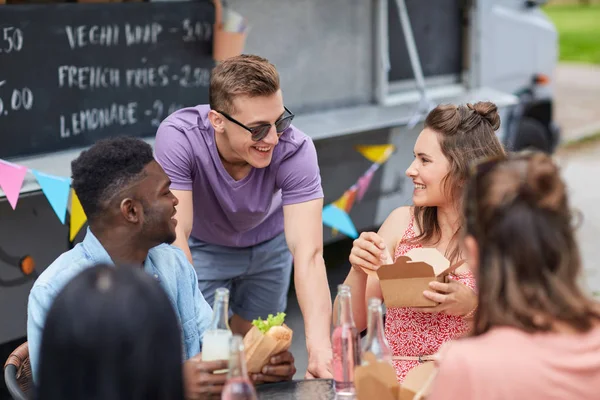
130,208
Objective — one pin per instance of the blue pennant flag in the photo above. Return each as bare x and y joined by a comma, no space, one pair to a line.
340,220
57,190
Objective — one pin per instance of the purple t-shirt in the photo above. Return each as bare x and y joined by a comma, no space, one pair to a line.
229,212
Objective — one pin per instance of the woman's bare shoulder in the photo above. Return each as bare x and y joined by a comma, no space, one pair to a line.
400,218
395,224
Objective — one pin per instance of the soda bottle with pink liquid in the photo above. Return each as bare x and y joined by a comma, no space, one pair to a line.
345,342
238,386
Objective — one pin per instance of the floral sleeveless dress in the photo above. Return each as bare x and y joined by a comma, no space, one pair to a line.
413,333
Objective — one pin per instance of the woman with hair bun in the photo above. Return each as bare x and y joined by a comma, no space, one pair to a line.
453,137
535,334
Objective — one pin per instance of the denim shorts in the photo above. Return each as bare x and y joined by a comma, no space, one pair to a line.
258,277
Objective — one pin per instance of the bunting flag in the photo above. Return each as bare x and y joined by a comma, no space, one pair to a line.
363,183
345,203
11,181
347,200
78,216
377,153
350,198
340,220
57,190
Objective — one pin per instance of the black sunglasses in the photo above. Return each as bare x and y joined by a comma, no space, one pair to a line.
261,131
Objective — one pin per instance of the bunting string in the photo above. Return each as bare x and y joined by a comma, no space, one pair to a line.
336,214
62,197
57,190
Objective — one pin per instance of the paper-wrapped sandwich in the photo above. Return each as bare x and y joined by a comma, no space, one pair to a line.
265,339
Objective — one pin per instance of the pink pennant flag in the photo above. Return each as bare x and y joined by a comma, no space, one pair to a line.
363,184
11,181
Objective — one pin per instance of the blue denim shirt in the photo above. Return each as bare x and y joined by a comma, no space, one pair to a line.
166,263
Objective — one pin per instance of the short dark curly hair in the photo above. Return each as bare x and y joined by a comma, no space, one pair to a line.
107,167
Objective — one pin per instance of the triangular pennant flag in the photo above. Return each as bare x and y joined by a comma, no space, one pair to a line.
363,184
56,189
11,181
345,203
347,200
78,216
378,153
341,202
350,198
340,220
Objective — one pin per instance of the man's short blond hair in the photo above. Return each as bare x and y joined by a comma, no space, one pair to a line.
244,75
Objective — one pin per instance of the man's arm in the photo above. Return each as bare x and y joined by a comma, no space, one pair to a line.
185,220
39,302
304,236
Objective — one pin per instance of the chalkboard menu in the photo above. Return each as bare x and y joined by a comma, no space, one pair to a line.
71,74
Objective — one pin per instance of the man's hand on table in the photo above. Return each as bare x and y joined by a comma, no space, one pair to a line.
319,364
199,380
280,368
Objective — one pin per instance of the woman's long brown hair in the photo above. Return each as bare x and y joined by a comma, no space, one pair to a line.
466,133
517,210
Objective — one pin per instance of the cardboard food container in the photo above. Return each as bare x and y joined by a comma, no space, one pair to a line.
418,381
403,282
377,380
260,347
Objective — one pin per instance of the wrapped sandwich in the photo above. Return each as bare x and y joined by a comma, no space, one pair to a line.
265,339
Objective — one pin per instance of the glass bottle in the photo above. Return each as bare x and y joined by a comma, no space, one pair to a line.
375,342
215,345
345,342
238,385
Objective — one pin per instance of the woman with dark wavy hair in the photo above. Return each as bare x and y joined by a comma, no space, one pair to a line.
536,334
111,334
453,137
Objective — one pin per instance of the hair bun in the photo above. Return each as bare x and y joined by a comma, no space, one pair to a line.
488,111
543,183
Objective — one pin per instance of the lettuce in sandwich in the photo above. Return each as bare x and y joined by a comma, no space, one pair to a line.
272,326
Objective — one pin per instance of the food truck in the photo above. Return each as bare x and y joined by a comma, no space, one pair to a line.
355,73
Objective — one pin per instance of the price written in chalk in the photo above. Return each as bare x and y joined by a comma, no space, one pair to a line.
19,99
11,40
158,111
193,77
114,114
195,31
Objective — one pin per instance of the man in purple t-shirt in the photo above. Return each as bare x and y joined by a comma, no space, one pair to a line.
250,201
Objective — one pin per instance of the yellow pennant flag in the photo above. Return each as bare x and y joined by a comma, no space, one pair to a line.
345,203
342,201
378,153
341,204
78,217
